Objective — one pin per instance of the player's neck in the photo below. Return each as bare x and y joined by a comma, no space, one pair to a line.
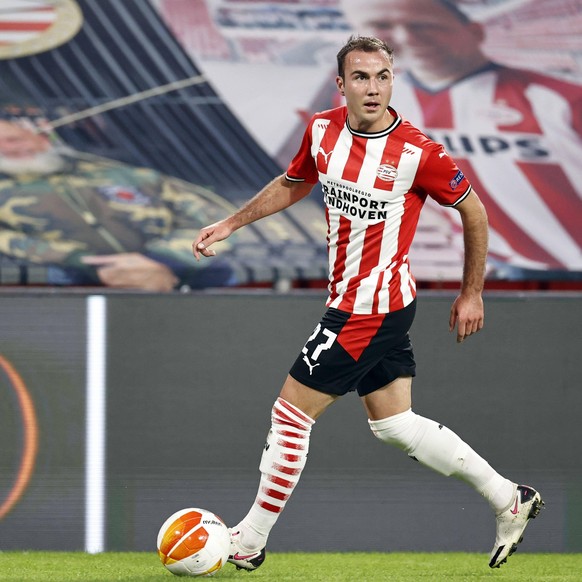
361,126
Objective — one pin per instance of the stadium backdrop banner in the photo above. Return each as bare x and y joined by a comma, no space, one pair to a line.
181,76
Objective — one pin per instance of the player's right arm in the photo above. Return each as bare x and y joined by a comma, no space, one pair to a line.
274,197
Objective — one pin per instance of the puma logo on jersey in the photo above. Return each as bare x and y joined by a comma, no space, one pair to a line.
325,156
309,364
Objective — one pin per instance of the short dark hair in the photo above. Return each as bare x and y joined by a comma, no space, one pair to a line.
368,44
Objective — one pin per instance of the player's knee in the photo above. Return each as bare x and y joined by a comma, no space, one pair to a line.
424,440
398,430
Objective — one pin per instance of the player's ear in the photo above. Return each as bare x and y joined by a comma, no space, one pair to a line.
340,84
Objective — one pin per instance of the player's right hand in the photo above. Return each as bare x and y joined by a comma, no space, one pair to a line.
209,235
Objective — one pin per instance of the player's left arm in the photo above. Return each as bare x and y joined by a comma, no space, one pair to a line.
467,312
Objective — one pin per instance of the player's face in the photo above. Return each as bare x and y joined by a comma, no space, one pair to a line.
423,33
367,86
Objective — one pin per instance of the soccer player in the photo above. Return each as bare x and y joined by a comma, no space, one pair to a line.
376,171
516,134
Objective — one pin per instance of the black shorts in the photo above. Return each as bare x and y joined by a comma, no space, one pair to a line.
349,352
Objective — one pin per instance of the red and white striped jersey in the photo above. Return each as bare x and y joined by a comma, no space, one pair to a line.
374,187
517,136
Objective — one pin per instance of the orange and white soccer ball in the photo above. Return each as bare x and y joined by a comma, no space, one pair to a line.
193,542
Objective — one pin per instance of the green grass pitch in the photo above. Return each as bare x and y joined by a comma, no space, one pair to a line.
304,567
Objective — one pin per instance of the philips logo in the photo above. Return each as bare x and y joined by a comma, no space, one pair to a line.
515,146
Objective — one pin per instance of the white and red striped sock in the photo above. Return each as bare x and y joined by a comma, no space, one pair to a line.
283,460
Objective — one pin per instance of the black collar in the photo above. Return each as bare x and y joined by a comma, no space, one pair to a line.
375,134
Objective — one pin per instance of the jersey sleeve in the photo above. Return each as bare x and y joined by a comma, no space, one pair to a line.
302,168
441,179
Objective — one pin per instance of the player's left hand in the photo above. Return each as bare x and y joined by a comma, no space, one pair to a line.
467,314
132,271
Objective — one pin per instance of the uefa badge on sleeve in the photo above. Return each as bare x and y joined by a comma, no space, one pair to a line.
456,180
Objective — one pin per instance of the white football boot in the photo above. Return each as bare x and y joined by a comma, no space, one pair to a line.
512,522
242,559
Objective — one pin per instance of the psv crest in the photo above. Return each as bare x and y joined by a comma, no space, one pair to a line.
387,173
28,27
